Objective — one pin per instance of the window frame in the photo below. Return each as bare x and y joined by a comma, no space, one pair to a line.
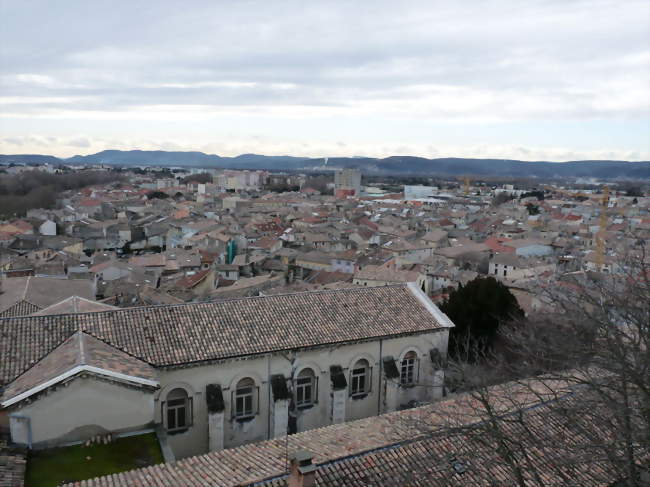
188,413
411,361
236,396
355,393
311,384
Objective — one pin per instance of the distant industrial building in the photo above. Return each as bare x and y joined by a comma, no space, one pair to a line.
416,192
347,182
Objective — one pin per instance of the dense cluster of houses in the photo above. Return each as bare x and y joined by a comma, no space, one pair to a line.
151,305
231,238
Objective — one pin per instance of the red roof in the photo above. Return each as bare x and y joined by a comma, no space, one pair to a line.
495,243
22,225
191,281
365,221
89,202
266,242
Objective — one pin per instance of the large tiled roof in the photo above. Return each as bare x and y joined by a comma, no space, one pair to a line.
347,452
181,334
77,351
74,304
471,456
21,308
42,291
385,274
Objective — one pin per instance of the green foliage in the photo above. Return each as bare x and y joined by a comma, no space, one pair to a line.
282,188
55,466
319,183
38,189
478,309
532,209
533,194
159,195
634,191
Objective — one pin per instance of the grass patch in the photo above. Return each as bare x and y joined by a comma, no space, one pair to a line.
52,467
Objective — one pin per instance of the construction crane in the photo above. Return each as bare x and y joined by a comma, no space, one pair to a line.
567,193
600,238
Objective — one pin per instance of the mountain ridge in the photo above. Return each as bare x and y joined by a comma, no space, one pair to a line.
395,165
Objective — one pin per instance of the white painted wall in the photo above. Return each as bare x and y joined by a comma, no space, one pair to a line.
83,402
195,440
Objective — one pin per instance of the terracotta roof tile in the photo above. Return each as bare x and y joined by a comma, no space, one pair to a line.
195,332
393,449
78,350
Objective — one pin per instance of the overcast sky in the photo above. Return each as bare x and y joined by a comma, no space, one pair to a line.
533,80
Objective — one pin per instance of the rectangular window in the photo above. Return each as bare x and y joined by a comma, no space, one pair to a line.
407,372
305,391
359,381
244,402
177,414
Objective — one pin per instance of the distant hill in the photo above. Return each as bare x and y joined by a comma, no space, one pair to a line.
499,167
398,165
189,159
29,159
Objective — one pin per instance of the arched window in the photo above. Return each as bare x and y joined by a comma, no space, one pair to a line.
408,369
360,378
178,410
245,399
305,388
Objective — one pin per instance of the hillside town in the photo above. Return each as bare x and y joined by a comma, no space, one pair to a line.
153,240
325,244
225,311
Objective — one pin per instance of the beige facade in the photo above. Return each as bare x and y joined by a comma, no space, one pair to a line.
384,394
223,374
81,408
86,406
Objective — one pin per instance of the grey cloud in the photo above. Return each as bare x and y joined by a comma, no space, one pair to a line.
546,59
82,142
13,140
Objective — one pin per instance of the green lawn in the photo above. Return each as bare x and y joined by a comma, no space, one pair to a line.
52,467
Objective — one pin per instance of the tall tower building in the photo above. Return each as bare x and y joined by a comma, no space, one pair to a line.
347,182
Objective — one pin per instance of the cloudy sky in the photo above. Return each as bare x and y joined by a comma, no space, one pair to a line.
550,80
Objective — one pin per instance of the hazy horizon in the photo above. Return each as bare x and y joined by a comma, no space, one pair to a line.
533,81
189,150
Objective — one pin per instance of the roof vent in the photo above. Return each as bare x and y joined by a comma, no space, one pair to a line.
302,470
458,466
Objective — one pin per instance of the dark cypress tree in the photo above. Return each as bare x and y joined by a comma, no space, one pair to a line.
477,309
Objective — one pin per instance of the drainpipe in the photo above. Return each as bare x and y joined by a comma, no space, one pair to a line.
269,404
381,365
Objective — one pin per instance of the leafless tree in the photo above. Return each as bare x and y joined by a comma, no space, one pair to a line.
574,386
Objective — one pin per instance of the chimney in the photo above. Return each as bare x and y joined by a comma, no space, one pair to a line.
301,471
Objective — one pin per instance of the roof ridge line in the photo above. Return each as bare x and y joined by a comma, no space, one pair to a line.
29,279
82,348
221,301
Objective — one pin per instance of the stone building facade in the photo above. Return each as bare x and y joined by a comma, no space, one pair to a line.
219,375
